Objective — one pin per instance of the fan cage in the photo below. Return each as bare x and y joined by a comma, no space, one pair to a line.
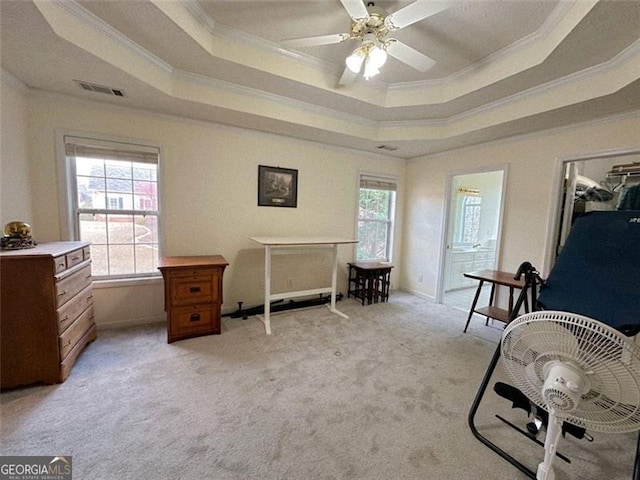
609,361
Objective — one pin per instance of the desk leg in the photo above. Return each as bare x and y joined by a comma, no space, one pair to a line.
334,283
266,319
473,305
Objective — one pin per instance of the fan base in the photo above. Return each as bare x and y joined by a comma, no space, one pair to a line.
545,472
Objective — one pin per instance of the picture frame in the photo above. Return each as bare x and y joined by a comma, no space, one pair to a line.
277,187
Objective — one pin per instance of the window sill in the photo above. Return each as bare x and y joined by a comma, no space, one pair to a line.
127,282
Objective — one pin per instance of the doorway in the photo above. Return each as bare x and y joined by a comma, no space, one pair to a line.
588,183
471,234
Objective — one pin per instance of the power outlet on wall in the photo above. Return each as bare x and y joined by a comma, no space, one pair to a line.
420,278
289,282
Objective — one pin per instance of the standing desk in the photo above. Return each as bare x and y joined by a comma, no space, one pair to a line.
293,245
494,277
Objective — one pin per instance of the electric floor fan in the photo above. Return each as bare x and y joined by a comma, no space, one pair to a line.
578,369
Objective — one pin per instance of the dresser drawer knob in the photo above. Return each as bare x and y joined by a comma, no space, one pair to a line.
195,317
66,317
194,290
63,293
75,258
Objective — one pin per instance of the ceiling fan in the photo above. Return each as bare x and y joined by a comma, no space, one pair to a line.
371,26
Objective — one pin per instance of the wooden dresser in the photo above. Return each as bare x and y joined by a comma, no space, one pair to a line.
192,295
46,311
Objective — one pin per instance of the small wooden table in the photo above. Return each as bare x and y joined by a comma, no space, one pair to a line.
494,277
369,281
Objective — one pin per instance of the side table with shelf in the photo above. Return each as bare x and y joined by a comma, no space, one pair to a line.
495,278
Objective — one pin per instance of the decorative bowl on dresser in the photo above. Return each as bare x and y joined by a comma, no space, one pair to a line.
46,312
192,295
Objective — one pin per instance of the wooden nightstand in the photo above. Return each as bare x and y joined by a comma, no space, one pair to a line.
192,295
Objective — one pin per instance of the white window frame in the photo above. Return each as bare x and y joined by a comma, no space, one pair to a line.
69,228
385,183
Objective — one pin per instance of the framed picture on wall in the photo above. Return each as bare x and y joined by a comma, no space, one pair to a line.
277,187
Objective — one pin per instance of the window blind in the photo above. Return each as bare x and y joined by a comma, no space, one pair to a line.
79,147
378,183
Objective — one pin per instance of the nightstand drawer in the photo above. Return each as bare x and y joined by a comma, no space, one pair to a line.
195,319
194,289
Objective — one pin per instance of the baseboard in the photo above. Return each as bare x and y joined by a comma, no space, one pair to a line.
132,322
418,294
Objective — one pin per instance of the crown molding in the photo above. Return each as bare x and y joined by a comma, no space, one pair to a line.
224,31
511,50
629,54
618,117
275,98
100,26
10,81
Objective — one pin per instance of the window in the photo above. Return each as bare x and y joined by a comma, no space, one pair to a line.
377,201
469,228
114,205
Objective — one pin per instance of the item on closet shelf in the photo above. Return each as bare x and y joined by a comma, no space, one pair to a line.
590,190
17,235
630,199
626,168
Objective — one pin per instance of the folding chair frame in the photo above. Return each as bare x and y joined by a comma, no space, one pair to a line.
532,280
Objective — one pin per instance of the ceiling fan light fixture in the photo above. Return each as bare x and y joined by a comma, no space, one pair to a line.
370,70
355,60
377,56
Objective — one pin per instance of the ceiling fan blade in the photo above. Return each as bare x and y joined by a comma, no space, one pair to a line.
414,12
347,77
410,56
317,40
356,9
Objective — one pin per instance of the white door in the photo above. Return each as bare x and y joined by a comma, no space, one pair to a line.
471,234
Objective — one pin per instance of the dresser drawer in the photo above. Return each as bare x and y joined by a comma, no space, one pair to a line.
70,286
72,309
192,289
74,258
195,319
76,330
60,263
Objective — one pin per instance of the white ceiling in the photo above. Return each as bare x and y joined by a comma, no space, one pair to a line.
502,67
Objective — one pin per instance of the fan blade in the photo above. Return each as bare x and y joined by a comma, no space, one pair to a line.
410,56
347,77
356,9
313,41
414,12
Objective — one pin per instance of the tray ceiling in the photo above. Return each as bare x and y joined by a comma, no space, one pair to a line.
502,68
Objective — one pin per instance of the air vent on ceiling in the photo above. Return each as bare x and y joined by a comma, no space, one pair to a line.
93,87
387,148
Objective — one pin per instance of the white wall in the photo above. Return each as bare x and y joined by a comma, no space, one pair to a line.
15,192
208,194
530,203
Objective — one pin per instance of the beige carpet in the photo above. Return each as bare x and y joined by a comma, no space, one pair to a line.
381,395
